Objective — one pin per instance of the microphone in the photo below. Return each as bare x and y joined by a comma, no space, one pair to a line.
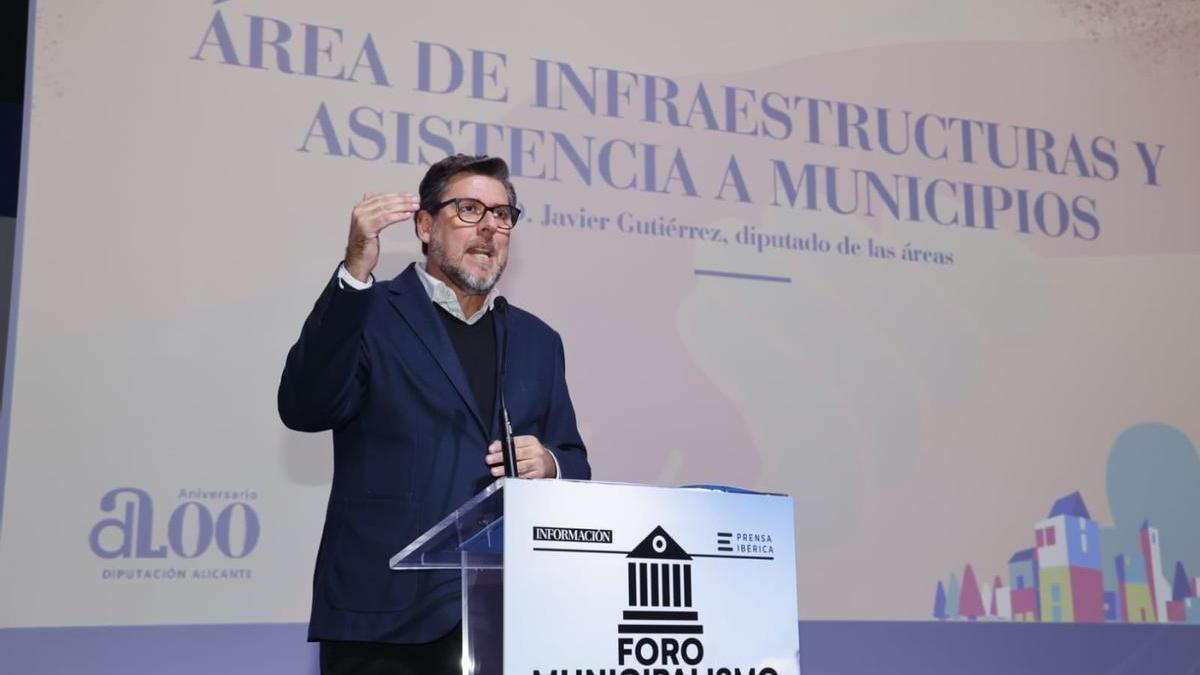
510,451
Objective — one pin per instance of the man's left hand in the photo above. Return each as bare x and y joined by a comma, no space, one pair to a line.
533,459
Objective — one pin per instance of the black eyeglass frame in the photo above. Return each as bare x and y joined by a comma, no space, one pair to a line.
516,212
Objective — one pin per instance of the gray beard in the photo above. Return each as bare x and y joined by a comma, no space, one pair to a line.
460,277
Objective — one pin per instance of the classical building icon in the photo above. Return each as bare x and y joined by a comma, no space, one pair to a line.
659,593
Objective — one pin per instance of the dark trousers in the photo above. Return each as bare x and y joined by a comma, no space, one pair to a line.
440,657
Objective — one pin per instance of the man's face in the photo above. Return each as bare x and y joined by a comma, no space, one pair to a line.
467,257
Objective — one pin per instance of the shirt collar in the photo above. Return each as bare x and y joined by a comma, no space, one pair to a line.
444,297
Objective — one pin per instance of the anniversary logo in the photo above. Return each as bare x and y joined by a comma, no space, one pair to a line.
206,532
660,632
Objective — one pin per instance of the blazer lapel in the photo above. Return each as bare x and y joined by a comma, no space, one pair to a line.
408,296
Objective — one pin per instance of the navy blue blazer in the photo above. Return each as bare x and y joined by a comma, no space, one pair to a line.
378,368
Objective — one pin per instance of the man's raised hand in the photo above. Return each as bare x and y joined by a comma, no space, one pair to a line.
370,217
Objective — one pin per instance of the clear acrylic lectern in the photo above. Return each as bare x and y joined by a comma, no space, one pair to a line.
470,539
609,577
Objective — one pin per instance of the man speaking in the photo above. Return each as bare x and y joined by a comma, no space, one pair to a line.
407,373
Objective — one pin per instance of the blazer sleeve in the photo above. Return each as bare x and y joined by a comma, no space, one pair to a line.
562,431
325,377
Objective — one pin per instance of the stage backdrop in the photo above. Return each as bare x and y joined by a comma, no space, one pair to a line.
930,268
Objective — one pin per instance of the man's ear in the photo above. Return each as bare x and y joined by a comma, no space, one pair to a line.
423,225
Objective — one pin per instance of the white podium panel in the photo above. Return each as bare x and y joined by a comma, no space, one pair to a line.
626,579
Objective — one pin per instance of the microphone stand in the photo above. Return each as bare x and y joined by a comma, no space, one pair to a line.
510,451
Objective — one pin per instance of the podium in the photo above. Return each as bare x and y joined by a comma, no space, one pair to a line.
562,576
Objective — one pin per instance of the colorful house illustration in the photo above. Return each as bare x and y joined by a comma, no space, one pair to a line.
1070,580
1191,610
1136,602
1061,579
1183,606
1023,585
1112,606
1160,590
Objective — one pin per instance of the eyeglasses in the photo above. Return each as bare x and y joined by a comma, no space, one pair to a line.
472,211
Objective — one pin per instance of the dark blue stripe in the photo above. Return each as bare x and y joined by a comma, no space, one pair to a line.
826,648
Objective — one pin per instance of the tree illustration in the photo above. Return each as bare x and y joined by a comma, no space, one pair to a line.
952,598
970,602
939,602
1182,588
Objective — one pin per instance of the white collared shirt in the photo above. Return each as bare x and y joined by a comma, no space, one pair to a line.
435,288
445,298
